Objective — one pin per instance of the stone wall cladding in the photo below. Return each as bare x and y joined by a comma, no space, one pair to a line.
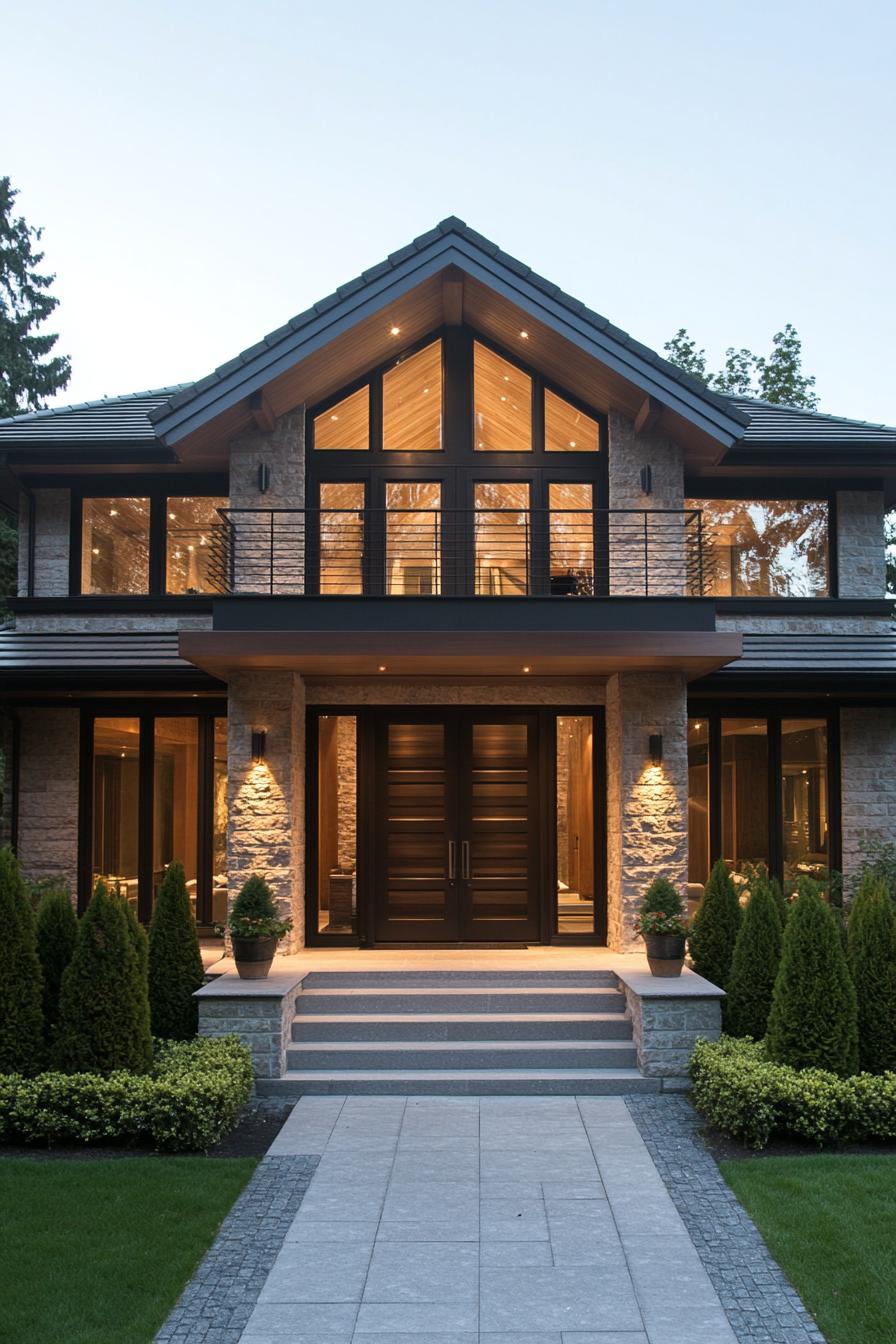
867,780
283,452
861,557
108,624
49,746
647,830
807,625
266,802
628,453
263,1023
665,1031
510,692
52,527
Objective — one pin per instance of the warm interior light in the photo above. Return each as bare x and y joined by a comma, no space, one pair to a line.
524,335
334,417
382,667
172,517
96,550
113,513
394,331
527,669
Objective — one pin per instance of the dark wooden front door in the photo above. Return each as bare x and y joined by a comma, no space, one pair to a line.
456,841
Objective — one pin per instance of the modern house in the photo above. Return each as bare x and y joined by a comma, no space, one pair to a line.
456,612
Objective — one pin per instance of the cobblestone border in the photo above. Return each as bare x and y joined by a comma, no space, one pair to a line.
760,1303
219,1299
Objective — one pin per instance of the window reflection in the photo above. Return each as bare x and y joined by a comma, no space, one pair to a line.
342,538
571,540
219,824
115,546
176,801
503,538
413,538
345,426
698,805
744,792
567,429
765,547
502,404
804,797
193,529
575,824
412,402
337,790
116,792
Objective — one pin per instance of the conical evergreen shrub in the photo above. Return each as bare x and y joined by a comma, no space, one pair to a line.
103,1012
662,896
781,901
140,944
754,965
715,926
813,1021
872,961
56,928
254,900
175,962
21,981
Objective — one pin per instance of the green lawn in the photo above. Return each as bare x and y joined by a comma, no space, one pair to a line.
97,1251
830,1222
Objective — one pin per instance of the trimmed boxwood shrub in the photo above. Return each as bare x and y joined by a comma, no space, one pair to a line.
741,1091
21,982
191,1097
56,928
754,966
103,1004
872,961
175,962
715,926
812,1023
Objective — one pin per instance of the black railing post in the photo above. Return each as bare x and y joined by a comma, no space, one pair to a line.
700,552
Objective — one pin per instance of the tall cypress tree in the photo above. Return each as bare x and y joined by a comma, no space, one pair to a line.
754,966
21,982
175,962
813,1020
140,944
872,960
781,901
56,927
715,927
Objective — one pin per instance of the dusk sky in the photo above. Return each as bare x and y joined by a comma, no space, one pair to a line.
204,171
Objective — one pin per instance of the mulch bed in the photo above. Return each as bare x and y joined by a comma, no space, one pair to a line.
726,1149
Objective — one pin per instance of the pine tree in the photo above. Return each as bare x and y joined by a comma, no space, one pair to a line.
56,927
754,966
813,1021
26,375
103,1019
872,960
175,962
715,927
662,896
21,982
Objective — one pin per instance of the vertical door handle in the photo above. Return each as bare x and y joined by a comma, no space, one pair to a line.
465,859
452,860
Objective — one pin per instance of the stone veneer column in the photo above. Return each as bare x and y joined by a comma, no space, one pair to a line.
861,555
628,453
867,780
49,747
647,805
283,452
266,816
52,526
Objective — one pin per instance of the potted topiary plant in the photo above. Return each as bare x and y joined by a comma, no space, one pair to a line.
255,929
662,925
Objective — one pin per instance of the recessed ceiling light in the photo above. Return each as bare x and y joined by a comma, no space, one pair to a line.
394,331
527,669
382,667
334,417
171,516
524,335
572,443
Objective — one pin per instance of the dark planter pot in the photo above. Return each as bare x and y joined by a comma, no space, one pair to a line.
253,956
665,953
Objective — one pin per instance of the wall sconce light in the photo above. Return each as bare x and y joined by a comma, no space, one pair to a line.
655,747
264,477
259,743
646,481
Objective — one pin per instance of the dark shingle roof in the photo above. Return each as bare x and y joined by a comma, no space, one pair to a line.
807,653
113,420
143,655
791,425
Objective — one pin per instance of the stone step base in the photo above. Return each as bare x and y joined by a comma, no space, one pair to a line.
404,1056
459,1082
491,998
600,1026
541,979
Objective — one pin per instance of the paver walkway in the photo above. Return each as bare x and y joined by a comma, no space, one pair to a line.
500,1220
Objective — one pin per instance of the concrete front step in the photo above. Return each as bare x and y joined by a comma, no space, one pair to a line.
600,1026
544,979
459,1082
492,998
496,1055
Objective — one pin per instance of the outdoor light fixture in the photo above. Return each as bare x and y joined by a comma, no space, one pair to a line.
264,477
259,742
655,747
646,481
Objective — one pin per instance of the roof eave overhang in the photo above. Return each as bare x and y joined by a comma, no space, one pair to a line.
366,299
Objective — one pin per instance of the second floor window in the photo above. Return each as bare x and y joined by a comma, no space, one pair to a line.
115,546
134,545
765,547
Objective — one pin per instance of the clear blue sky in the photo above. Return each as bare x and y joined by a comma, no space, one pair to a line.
203,170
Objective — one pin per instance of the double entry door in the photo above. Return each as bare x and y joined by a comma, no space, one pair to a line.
456,844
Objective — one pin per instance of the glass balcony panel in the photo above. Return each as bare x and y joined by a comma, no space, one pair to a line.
413,538
503,541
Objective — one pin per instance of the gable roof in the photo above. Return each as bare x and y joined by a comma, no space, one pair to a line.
112,420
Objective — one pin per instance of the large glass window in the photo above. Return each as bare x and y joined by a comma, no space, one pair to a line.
575,824
175,831
115,545
412,402
503,538
804,797
345,426
342,538
413,538
502,404
744,792
698,805
566,428
192,549
116,801
337,823
571,539
765,547
219,823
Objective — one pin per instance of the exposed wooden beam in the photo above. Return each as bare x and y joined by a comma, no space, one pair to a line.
453,297
262,414
650,412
